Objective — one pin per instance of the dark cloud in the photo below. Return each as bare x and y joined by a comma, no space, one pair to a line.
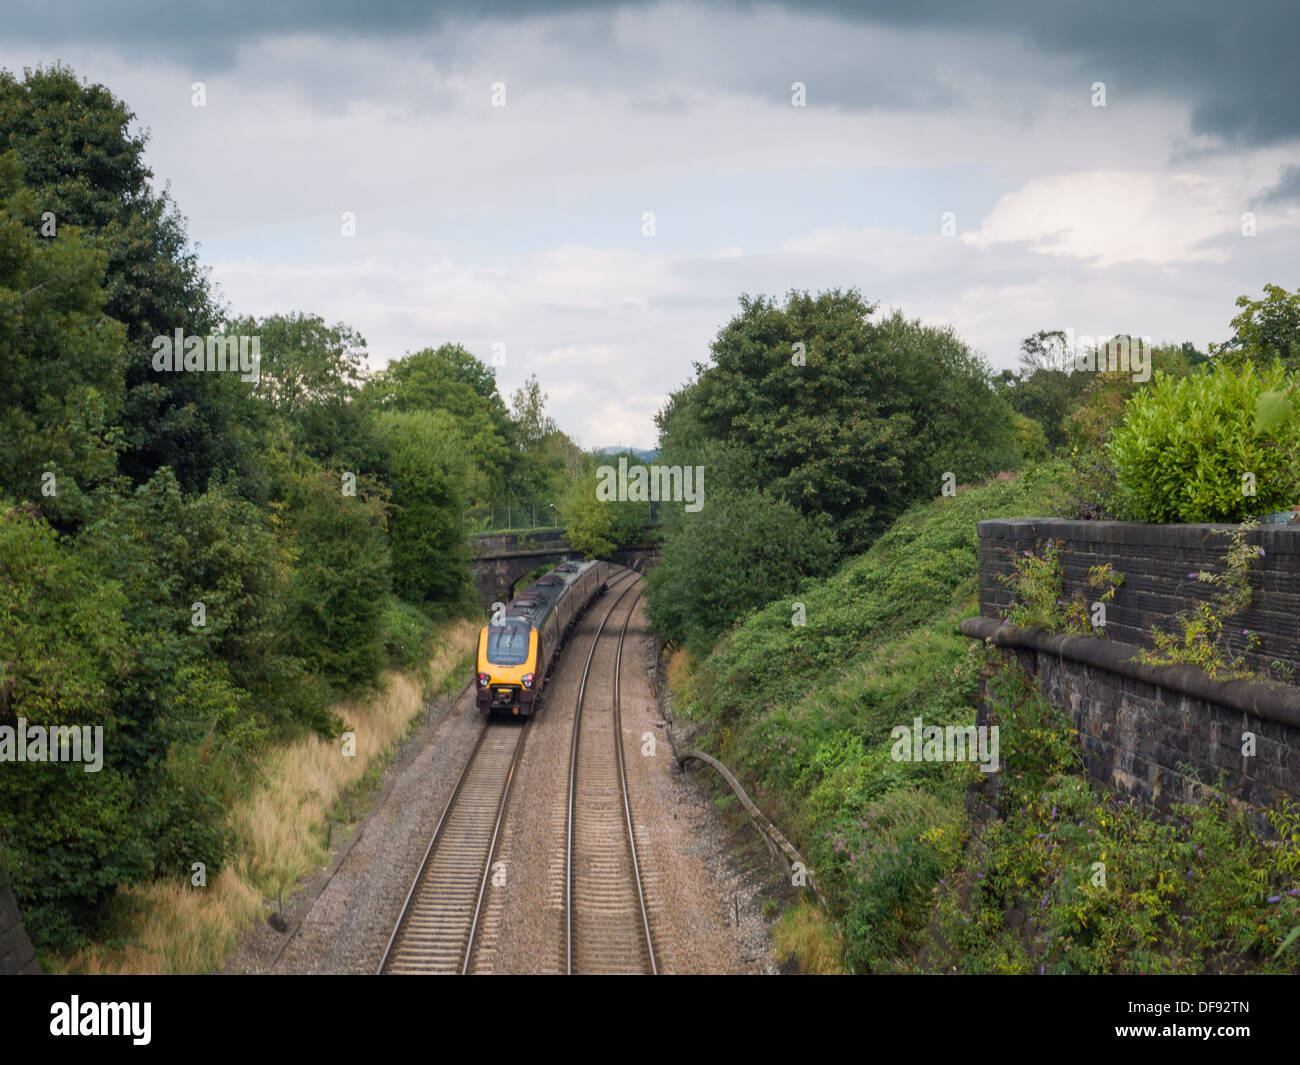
1232,64
1287,189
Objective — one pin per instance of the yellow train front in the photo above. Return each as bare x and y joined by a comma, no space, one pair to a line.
517,649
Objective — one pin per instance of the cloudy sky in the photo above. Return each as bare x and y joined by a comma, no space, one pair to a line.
519,229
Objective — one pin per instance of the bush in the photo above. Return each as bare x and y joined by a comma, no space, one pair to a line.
1187,445
741,551
67,836
408,634
1031,441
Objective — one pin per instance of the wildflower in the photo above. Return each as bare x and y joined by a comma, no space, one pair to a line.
1275,898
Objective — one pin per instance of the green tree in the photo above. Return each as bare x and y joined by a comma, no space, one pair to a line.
846,418
450,380
67,836
340,580
425,468
742,550
1266,329
311,376
87,169
60,360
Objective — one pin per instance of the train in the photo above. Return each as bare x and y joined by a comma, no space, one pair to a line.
517,649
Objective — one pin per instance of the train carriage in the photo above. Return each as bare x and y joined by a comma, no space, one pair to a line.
517,651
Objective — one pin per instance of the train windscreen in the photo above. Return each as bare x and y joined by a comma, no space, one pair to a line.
507,647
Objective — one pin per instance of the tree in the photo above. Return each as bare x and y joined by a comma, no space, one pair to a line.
738,553
451,380
842,417
67,836
60,360
425,469
1266,329
311,375
340,578
87,169
1046,350
528,407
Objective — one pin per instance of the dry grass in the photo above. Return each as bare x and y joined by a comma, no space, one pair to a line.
804,934
679,669
169,927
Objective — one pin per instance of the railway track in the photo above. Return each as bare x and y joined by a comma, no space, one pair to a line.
435,932
439,921
607,926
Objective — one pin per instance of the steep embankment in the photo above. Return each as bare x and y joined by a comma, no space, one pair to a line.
281,827
804,712
1063,879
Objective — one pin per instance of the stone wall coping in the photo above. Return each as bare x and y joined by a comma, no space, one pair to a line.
1283,539
1268,701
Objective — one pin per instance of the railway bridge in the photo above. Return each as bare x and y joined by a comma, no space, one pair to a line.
499,560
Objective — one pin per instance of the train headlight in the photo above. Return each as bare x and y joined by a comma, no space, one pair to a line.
483,679
528,680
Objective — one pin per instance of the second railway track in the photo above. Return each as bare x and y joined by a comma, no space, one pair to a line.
607,922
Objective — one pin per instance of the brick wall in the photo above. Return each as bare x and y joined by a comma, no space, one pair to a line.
1155,561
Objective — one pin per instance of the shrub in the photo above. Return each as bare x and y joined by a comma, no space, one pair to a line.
1187,445
408,635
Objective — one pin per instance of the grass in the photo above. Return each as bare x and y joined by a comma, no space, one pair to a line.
806,936
166,926
803,715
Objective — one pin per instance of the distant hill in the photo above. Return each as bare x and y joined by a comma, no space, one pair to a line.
644,454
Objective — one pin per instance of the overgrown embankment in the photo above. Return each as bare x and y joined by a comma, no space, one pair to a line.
804,713
280,826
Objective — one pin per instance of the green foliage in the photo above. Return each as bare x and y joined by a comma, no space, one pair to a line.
83,164
804,712
589,521
311,375
1187,445
597,525
1031,441
1074,881
866,425
451,382
1266,330
340,579
60,359
66,834
214,587
408,635
425,467
1202,638
1047,388
1038,592
739,552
